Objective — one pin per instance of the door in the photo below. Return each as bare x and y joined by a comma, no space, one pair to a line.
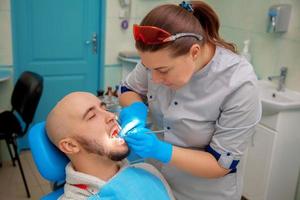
58,39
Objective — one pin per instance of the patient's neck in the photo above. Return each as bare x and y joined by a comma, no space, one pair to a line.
95,165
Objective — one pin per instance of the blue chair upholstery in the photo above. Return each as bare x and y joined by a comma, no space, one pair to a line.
49,160
53,195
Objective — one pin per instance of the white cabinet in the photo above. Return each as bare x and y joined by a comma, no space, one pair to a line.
258,163
272,164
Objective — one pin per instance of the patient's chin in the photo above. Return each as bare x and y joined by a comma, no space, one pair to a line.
119,155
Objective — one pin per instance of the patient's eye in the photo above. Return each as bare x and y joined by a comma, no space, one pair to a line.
163,71
91,115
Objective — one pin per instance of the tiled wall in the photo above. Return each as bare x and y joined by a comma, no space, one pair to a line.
240,20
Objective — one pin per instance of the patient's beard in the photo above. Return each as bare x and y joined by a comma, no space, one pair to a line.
118,156
92,146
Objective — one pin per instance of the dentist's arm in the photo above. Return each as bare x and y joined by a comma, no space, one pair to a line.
195,162
127,98
198,163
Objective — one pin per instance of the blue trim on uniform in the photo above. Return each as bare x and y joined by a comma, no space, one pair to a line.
217,155
213,152
234,164
125,89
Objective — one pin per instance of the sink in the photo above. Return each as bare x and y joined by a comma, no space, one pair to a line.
274,101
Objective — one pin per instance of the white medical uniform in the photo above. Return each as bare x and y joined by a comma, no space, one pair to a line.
216,111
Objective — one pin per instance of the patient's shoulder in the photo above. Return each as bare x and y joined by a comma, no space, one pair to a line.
150,168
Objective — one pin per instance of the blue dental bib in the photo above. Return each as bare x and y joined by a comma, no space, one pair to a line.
133,183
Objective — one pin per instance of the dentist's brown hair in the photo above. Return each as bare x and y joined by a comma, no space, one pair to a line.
175,19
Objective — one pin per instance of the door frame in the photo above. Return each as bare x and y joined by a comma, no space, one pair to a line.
101,42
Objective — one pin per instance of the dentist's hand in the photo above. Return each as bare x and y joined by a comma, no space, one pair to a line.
133,116
144,143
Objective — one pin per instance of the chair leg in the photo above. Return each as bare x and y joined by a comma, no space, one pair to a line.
20,167
10,153
0,161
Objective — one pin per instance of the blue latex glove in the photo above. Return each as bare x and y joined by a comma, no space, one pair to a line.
133,116
145,143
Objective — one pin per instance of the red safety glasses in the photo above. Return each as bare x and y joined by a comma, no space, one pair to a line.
155,35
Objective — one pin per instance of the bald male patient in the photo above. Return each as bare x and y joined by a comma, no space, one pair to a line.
85,132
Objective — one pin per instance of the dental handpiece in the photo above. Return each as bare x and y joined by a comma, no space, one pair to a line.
157,132
120,128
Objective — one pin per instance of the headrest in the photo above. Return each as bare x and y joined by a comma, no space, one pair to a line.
50,161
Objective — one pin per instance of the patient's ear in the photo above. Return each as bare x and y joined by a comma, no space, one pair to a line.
68,146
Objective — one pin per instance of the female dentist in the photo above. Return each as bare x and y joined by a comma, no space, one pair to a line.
201,92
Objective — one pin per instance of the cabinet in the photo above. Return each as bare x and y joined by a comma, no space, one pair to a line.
258,163
272,163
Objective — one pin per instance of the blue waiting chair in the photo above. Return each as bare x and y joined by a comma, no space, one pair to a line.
49,160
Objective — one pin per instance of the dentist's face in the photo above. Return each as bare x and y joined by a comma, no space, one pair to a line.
93,127
173,72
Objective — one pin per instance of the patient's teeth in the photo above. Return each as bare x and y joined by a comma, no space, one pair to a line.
115,133
118,140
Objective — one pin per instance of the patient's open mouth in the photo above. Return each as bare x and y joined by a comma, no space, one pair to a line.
114,132
114,135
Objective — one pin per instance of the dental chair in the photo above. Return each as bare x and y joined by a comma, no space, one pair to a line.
49,160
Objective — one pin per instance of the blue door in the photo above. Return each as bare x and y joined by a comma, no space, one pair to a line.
63,41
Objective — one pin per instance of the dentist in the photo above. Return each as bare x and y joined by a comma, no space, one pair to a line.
201,92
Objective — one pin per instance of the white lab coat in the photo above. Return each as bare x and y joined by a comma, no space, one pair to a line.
217,109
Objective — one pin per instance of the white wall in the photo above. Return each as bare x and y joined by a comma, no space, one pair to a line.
5,33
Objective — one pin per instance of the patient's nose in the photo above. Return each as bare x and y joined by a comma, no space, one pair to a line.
110,117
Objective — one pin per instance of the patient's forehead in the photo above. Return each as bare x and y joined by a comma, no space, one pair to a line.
76,103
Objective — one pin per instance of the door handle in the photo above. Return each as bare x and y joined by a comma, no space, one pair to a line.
93,42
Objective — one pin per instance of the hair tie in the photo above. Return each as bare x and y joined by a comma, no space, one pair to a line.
186,6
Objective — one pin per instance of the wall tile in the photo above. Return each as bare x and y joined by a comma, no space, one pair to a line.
142,7
241,19
289,56
117,40
113,75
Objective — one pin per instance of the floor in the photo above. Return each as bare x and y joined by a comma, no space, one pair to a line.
11,183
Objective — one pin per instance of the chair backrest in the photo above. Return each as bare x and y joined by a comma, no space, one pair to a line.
26,95
50,161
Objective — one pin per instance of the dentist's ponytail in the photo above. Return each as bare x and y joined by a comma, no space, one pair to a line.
210,24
